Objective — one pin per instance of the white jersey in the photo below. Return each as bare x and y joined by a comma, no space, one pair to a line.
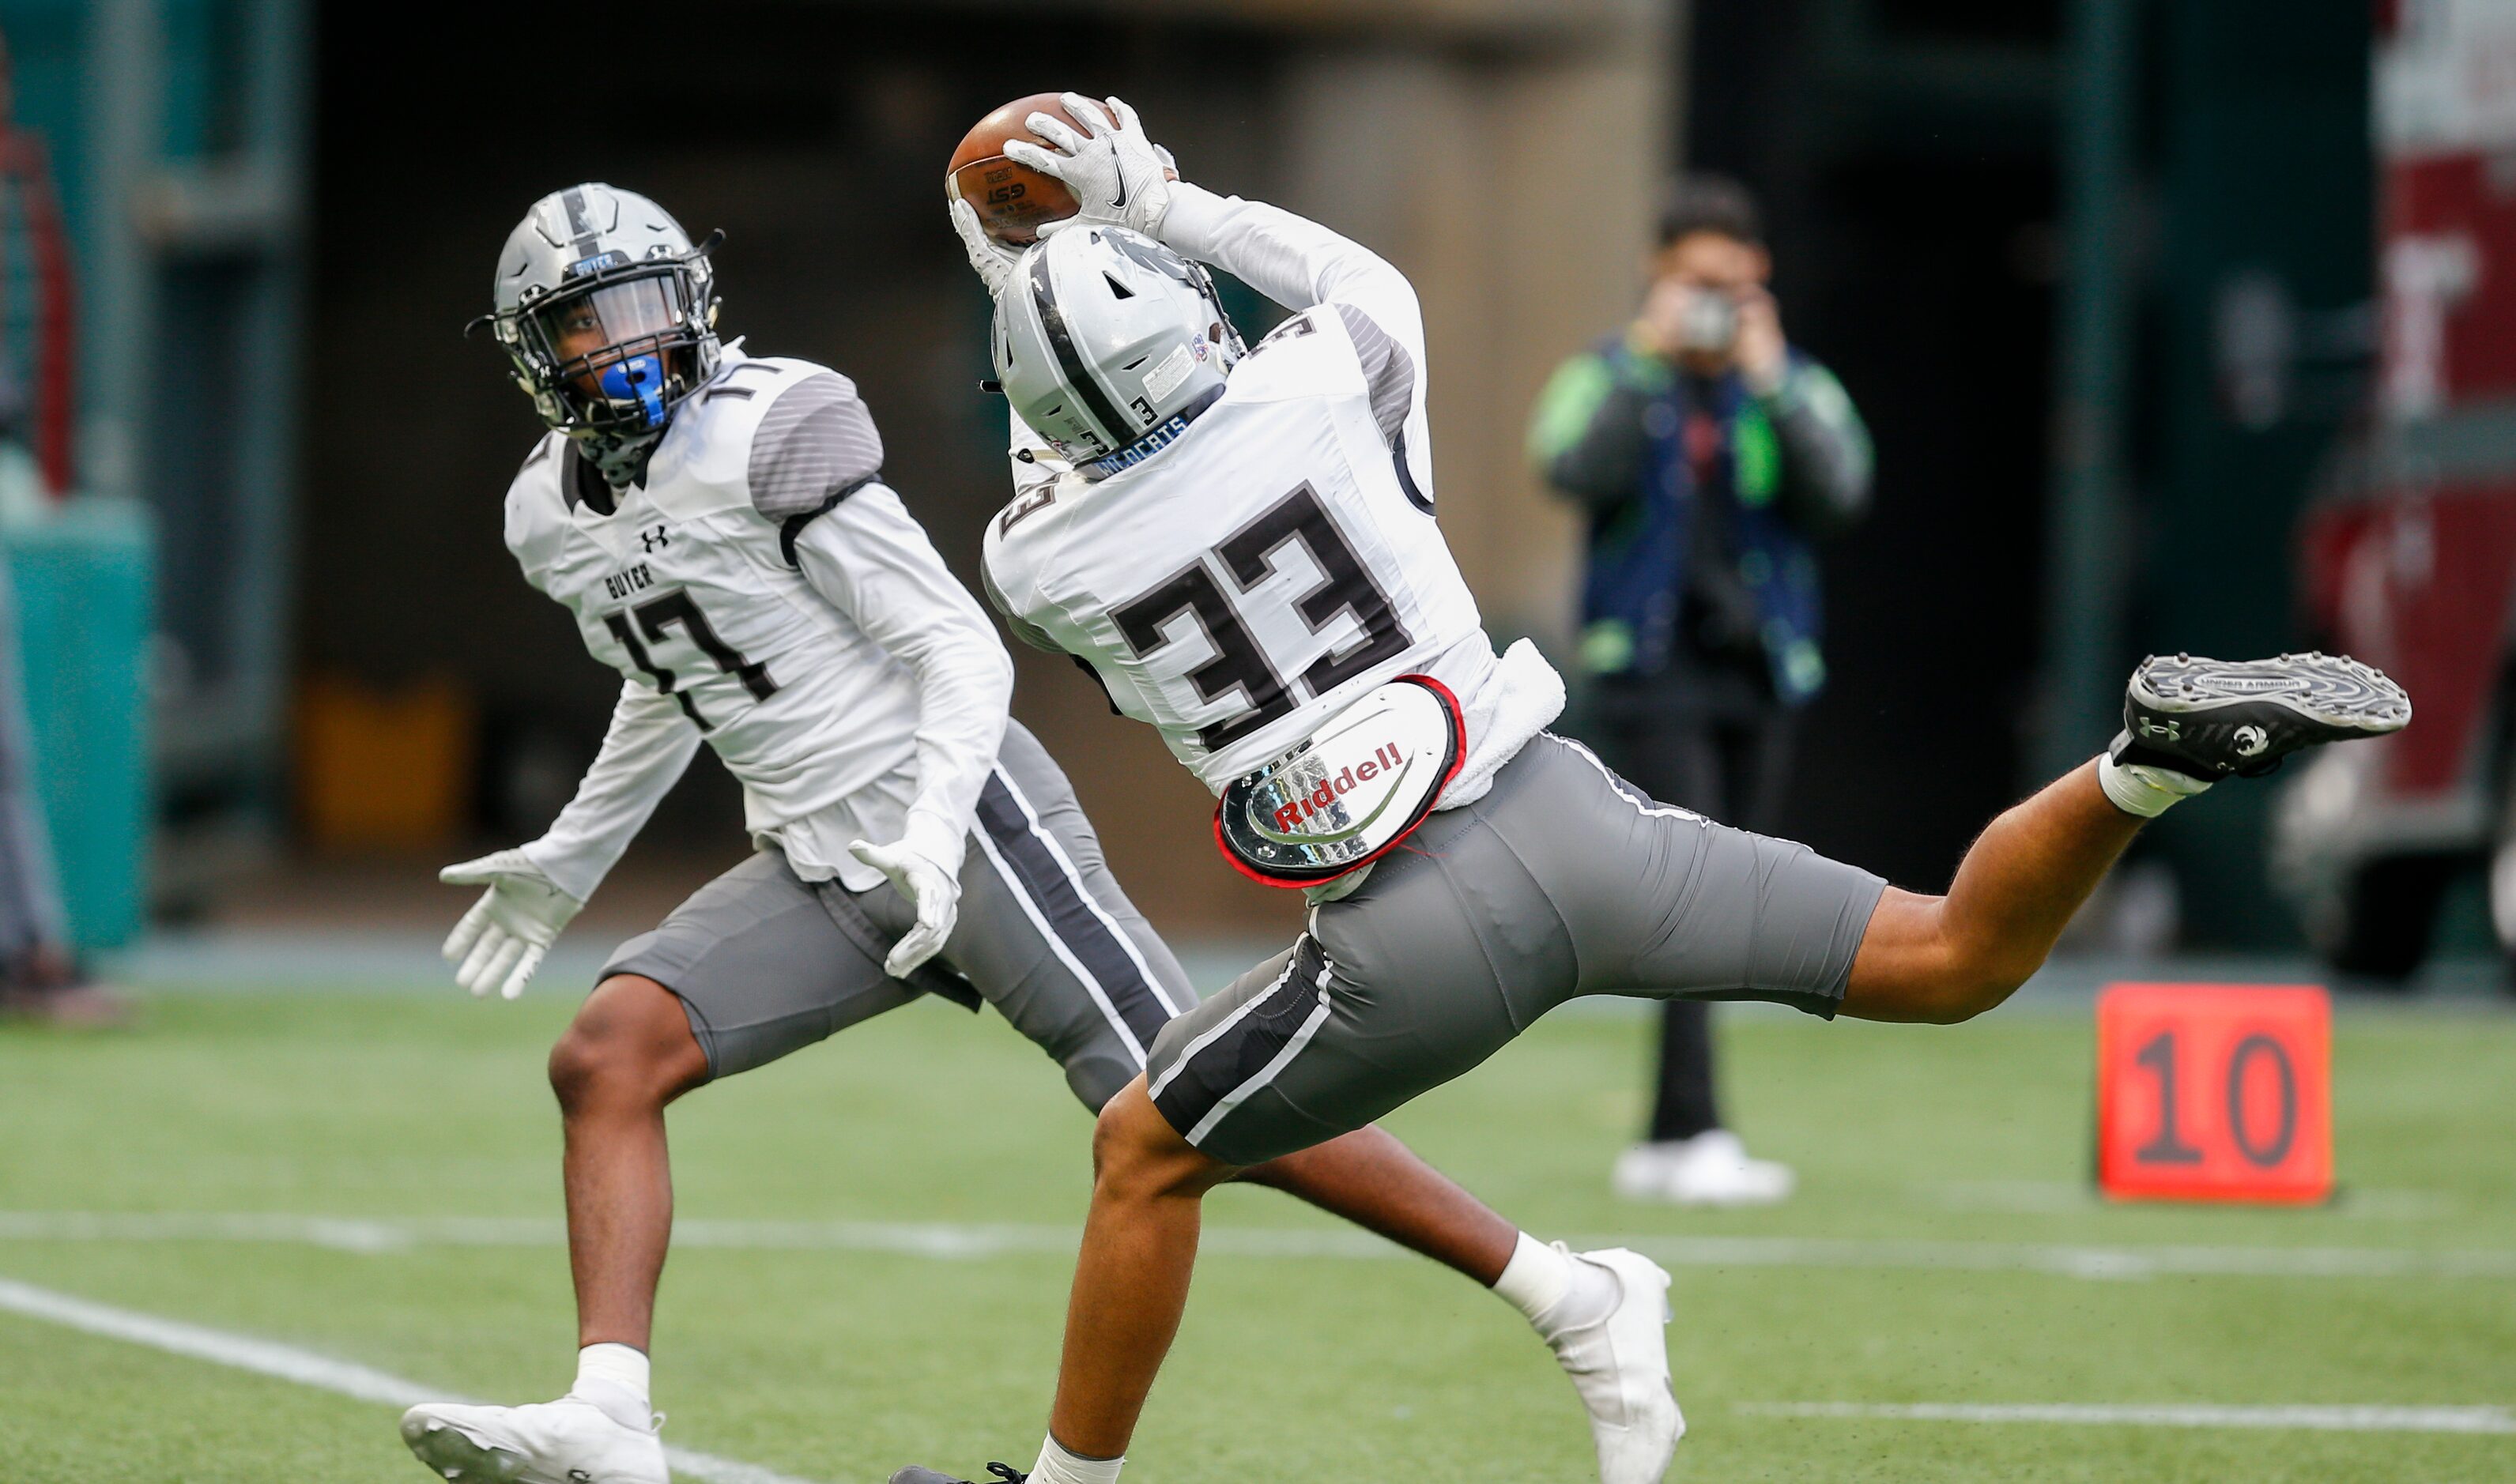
1281,558
762,590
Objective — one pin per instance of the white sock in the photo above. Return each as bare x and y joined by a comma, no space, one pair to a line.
613,1378
1554,1290
2148,792
1056,1465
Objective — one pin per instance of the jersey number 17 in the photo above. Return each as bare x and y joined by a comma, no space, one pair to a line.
656,617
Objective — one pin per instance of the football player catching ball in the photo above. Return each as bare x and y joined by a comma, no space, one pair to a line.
1244,548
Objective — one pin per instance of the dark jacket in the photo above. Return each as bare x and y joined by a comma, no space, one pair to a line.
1709,570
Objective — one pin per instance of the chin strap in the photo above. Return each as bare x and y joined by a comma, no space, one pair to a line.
623,461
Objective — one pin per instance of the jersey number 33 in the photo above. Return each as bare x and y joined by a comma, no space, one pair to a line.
1240,661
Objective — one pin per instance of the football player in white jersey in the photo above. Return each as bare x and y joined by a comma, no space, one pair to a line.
717,526
1243,549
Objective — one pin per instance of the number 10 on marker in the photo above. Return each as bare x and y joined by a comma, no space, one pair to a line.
2214,1092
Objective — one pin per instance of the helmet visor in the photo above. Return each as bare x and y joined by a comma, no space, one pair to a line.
610,344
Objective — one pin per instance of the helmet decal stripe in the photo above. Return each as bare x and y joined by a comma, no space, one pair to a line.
1070,366
580,225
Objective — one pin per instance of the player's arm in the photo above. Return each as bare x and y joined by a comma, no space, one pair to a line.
646,750
532,892
870,560
1292,259
816,467
1304,266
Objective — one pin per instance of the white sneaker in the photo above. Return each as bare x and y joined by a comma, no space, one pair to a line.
1619,1364
563,1442
1711,1169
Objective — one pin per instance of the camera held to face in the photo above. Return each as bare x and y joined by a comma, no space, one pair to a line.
1710,324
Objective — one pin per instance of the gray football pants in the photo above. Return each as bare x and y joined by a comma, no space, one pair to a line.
1563,880
765,963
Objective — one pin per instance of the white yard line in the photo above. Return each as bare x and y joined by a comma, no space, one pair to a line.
263,1357
2318,1419
2076,1198
964,1241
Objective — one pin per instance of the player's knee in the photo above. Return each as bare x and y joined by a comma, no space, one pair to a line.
1136,1154
630,1042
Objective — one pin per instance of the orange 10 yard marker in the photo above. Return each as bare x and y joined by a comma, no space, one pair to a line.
2214,1092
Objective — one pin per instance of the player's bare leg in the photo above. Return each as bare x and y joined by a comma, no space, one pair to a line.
1379,1184
1131,1282
2186,723
1139,1247
628,1054
1945,958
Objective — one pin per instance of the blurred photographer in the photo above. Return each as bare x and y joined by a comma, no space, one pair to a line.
1711,454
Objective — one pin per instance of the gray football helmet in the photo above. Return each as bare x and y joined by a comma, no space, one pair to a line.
1107,343
608,314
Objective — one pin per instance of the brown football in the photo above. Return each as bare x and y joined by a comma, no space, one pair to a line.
1012,200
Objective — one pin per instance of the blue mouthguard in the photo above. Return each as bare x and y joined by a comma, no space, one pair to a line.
640,378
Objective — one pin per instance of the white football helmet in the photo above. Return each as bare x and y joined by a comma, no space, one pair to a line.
608,314
1108,343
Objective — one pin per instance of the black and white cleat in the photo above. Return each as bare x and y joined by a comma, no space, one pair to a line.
1001,1473
2214,719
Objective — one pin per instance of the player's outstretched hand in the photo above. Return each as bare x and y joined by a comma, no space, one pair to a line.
1116,173
993,261
501,940
930,888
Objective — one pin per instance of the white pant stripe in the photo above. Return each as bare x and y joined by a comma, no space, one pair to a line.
1091,903
1266,1074
1188,1053
1056,946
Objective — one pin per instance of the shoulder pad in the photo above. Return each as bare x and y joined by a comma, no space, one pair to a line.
814,443
702,466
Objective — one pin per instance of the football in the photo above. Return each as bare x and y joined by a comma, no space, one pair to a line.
1013,200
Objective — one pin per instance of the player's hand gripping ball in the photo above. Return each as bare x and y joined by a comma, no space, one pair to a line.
1012,200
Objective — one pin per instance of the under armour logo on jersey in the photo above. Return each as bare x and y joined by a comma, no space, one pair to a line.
2251,740
656,538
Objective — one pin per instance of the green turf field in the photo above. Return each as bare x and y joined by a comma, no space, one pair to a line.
887,1222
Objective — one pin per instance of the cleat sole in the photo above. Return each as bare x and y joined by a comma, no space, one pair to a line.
457,1458
2342,695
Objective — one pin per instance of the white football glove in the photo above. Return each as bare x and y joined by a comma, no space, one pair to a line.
934,891
1117,174
993,261
501,940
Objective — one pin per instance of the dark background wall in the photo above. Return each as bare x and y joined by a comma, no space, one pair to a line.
1910,153
1912,233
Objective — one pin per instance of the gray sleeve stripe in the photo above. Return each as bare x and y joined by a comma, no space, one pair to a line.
815,440
1387,369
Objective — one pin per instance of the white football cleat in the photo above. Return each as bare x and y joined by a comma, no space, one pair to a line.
1711,1169
1619,1364
563,1442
